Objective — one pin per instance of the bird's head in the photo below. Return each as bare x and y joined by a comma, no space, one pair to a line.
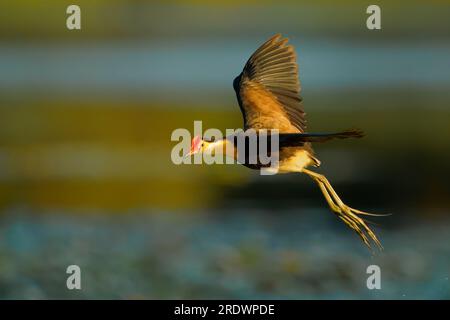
198,145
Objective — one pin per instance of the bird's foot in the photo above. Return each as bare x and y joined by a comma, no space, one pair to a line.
350,217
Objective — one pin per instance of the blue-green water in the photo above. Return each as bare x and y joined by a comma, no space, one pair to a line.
255,254
194,68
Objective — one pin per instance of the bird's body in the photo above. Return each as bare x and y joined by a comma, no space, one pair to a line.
291,158
268,93
295,159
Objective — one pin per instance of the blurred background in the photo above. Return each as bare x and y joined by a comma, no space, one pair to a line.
86,176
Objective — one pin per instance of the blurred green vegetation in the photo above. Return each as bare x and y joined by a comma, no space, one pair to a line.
116,19
103,155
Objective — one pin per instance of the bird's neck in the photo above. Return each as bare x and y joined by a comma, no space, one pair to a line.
222,147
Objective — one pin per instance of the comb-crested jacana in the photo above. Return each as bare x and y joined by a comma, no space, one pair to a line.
268,93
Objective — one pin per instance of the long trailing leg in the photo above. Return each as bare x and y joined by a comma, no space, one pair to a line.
334,207
336,197
344,212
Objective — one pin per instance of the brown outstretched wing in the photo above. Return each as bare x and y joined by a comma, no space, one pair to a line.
268,89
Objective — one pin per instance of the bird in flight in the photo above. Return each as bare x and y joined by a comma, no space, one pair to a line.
268,93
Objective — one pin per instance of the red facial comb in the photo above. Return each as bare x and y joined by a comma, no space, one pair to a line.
195,144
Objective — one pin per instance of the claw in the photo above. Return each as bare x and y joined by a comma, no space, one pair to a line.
370,214
359,226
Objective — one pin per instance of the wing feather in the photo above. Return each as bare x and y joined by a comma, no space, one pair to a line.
268,89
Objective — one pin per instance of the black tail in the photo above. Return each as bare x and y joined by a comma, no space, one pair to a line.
298,139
